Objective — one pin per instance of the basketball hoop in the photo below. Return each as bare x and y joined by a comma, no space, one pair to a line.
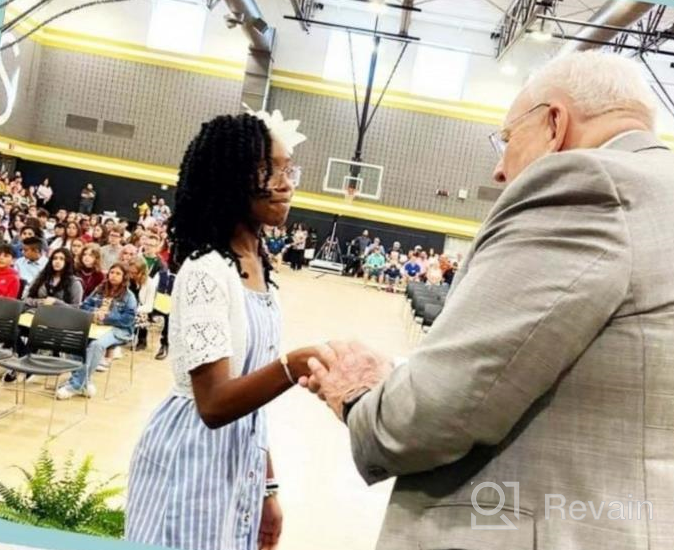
350,194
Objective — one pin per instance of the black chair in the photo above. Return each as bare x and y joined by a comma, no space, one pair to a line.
54,332
10,311
431,312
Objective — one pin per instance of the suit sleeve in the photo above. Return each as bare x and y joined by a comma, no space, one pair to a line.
549,269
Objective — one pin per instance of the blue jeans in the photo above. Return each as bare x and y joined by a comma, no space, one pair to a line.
95,352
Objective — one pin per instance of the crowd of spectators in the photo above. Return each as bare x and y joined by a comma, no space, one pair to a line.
364,257
103,264
393,268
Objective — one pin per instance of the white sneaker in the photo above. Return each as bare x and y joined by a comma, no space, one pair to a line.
117,353
68,392
104,365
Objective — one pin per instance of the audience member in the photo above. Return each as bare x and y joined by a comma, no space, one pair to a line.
374,265
56,283
144,288
76,247
299,243
411,269
110,253
89,269
9,278
128,254
99,235
44,193
87,199
113,305
32,262
150,253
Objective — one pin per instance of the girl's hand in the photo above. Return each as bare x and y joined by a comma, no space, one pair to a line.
271,524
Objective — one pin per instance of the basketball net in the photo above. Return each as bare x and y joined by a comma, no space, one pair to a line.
349,194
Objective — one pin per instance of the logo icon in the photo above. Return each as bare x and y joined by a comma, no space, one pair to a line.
10,84
507,524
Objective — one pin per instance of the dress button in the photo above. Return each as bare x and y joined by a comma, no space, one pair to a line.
246,517
251,475
272,347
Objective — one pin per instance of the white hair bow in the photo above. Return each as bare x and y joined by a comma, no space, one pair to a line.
283,131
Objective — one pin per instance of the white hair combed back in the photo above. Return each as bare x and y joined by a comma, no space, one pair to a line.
597,82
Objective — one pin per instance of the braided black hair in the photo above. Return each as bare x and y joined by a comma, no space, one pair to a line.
220,175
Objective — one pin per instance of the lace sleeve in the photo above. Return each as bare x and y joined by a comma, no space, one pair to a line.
204,311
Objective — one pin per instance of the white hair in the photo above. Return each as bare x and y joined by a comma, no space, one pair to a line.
596,82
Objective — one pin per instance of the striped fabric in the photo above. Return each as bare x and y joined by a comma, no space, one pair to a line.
199,489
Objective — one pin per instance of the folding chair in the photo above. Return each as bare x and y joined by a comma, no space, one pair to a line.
132,345
55,330
10,311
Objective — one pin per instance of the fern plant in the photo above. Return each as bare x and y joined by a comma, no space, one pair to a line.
70,501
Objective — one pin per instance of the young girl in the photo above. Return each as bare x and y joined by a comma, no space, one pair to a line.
56,283
99,235
144,288
199,472
76,247
89,268
44,194
72,232
113,305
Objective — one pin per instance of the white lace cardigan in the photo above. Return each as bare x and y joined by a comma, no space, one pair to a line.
208,318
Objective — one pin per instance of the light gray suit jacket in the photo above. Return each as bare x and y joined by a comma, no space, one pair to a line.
551,365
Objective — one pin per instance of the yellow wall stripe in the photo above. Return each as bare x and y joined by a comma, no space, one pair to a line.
309,201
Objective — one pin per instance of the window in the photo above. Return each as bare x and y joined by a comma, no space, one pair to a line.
177,25
338,58
439,73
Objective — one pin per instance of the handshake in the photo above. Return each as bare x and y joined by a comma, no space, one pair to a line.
338,372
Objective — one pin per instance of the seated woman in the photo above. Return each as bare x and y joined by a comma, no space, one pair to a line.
56,283
89,268
113,305
76,248
144,288
100,235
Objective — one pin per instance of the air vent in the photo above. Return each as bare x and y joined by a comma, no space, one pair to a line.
85,123
118,129
487,193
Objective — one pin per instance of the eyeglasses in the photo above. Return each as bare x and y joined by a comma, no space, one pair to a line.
499,139
291,171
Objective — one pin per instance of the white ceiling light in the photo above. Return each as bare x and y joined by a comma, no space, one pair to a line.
177,26
377,6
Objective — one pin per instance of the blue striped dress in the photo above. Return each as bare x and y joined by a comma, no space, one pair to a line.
194,488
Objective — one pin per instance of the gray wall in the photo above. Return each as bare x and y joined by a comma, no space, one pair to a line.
420,153
166,106
21,123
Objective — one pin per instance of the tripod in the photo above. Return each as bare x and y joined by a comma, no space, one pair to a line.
331,251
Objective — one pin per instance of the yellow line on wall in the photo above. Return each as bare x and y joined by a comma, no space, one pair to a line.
165,175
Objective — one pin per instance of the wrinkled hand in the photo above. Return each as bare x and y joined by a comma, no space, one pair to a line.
270,525
342,369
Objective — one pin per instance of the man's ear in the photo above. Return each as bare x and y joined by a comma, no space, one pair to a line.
558,127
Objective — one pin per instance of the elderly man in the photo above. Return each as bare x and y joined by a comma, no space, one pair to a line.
539,411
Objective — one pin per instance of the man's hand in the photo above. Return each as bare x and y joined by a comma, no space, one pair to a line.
343,369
